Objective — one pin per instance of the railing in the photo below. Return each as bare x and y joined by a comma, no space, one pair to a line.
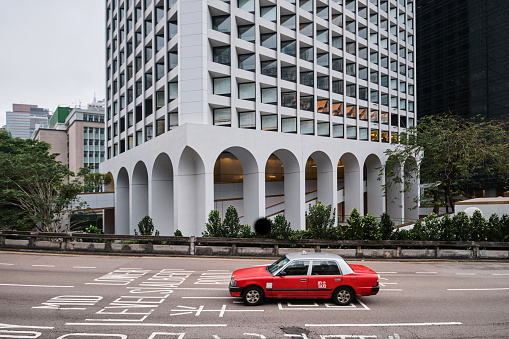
114,243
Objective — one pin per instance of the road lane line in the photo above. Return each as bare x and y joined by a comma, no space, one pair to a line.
465,273
209,298
478,289
1,263
426,272
43,265
23,285
147,325
84,267
384,325
500,273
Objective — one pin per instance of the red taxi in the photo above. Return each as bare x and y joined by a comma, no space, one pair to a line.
304,276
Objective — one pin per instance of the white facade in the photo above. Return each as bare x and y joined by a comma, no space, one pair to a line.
322,85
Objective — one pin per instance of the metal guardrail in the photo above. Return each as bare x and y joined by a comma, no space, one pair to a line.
192,245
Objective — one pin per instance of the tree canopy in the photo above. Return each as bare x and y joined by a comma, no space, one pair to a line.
36,191
453,155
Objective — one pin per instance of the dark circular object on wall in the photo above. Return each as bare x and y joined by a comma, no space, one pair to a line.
262,226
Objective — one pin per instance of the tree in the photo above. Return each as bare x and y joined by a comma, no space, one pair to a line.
146,227
93,182
452,156
34,187
280,228
320,220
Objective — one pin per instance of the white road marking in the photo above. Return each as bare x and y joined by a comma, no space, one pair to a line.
426,272
1,263
146,324
465,273
328,307
43,265
478,289
384,325
8,326
218,271
23,285
500,273
84,267
209,298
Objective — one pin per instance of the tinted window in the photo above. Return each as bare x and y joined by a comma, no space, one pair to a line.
297,268
325,268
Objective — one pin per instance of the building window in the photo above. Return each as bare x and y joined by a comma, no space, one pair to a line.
247,5
269,40
269,13
289,125
351,112
222,55
269,96
351,91
222,117
222,86
247,91
322,83
247,119
159,127
351,132
269,68
289,47
247,62
307,127
289,99
375,135
289,73
221,24
306,53
288,21
338,131
363,133
269,122
247,33
322,106
307,103
307,78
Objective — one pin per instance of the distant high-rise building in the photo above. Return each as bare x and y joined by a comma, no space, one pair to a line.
463,59
24,119
78,136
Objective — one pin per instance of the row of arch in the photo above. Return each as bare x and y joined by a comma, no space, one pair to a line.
180,194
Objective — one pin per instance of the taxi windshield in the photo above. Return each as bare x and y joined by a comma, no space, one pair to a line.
278,264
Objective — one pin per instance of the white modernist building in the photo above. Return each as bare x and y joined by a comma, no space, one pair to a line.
267,105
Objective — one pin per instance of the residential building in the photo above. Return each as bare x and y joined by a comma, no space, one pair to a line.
463,64
265,105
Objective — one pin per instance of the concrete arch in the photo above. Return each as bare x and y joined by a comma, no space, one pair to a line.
375,196
293,188
111,186
253,187
394,189
411,192
192,205
354,188
122,210
325,190
139,193
161,195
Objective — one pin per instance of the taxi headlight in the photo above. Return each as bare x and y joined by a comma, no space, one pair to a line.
233,282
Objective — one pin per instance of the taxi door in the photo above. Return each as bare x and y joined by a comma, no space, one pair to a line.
325,277
292,281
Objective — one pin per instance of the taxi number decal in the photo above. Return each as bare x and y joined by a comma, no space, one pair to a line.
322,284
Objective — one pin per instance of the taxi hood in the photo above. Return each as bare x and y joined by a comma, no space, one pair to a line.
251,272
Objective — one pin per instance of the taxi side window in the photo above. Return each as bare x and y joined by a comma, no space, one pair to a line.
297,268
325,268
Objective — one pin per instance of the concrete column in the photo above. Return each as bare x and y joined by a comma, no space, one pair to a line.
354,189
122,203
375,192
295,200
394,196
254,196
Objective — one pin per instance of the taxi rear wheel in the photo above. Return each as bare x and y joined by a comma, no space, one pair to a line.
252,296
343,296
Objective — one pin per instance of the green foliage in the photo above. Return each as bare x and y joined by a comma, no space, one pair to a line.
146,227
230,227
461,224
478,226
177,233
93,230
386,226
371,228
231,223
320,220
451,155
35,188
280,228
93,182
354,230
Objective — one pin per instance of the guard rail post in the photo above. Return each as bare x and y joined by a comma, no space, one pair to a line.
31,242
192,244
107,245
2,240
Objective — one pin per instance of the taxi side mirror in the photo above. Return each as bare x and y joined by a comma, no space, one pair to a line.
281,274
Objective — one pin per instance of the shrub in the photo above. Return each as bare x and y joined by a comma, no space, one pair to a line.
93,230
177,233
280,228
448,230
478,227
320,221
432,228
386,226
461,224
231,223
354,229
146,227
213,227
370,228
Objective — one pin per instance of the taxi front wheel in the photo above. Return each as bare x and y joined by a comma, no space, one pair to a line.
343,296
252,296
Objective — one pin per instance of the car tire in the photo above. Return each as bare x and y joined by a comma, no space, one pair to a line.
343,296
253,296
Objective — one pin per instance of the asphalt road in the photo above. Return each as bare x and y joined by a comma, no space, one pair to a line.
71,296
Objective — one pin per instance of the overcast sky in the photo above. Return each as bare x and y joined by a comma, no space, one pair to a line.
52,52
